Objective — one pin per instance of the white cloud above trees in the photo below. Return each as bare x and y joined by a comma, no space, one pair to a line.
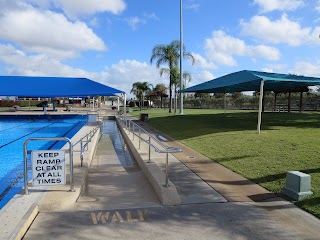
281,5
78,8
221,49
47,32
282,30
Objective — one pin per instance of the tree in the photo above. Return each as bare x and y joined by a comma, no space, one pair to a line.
161,90
236,95
175,74
140,89
169,54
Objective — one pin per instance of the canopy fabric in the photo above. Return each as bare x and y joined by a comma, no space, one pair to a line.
53,87
250,81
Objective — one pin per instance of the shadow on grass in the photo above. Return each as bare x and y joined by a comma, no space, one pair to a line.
279,176
187,126
226,159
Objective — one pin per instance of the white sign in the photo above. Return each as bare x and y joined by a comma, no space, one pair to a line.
48,168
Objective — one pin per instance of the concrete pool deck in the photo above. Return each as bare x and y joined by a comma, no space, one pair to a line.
244,209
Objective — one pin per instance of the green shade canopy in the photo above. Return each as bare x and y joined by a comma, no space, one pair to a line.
250,81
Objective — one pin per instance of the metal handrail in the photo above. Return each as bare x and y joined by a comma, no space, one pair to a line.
130,125
88,137
85,136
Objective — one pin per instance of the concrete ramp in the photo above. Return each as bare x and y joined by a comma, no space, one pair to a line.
111,185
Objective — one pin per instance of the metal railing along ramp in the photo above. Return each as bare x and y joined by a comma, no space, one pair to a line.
144,136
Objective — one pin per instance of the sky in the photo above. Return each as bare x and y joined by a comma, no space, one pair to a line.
111,41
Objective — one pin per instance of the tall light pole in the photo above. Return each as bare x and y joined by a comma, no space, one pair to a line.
181,58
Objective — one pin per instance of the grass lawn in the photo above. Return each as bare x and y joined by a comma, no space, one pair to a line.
288,142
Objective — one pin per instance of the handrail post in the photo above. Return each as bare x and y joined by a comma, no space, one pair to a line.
167,172
132,131
149,148
81,149
87,142
139,137
25,162
128,125
71,167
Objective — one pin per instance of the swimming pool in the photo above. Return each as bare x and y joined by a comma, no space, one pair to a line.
14,130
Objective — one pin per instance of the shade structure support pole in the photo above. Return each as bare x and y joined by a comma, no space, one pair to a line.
181,59
225,103
301,95
275,102
263,101
289,102
118,104
260,107
93,103
124,104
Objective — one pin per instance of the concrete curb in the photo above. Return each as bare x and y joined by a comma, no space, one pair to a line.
167,195
25,222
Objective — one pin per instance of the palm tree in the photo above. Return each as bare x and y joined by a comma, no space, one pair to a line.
169,54
140,89
175,74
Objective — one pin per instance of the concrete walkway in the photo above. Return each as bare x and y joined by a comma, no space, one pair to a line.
216,204
110,185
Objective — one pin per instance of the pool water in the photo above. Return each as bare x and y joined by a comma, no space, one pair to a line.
15,130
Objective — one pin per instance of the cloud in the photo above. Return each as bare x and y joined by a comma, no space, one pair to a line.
270,70
275,68
126,72
202,62
318,6
47,32
134,22
152,16
280,31
221,48
21,63
77,8
281,5
306,68
193,6
200,77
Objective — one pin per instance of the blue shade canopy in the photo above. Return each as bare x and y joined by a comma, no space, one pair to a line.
250,81
53,87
